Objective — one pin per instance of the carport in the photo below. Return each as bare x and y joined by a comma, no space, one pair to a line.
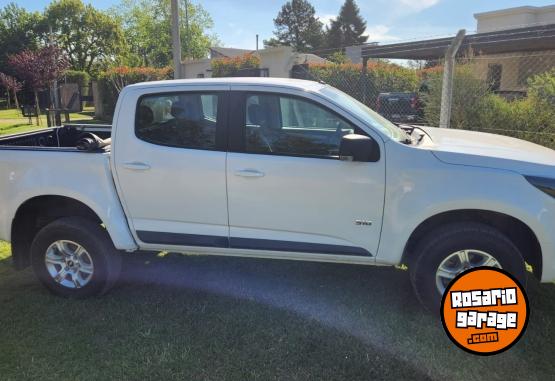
530,39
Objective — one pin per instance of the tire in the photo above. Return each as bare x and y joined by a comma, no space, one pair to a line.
437,246
94,269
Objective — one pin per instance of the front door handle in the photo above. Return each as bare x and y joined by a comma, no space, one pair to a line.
249,173
136,166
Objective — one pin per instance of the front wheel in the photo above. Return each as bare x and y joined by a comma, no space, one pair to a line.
448,251
74,257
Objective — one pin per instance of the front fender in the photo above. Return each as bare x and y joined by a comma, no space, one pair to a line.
431,187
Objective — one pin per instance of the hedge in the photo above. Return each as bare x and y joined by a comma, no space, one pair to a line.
477,108
380,77
113,80
82,78
229,67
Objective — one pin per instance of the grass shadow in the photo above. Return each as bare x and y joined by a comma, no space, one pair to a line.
195,317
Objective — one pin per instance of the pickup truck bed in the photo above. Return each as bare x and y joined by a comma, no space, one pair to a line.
65,137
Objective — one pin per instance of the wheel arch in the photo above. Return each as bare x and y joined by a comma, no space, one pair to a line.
35,213
516,230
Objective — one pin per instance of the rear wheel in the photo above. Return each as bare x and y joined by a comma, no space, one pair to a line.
74,257
448,251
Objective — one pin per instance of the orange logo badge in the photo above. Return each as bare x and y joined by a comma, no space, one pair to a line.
484,311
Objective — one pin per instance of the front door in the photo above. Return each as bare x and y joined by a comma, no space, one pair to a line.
287,189
170,162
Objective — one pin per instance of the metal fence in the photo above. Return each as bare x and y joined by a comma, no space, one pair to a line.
500,82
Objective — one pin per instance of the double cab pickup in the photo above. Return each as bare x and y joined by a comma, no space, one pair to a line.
272,168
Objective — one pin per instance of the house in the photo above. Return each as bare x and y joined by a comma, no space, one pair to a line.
509,71
510,46
202,68
274,62
510,18
219,52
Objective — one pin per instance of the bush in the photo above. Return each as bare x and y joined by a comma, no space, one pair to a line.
527,119
113,80
229,67
542,88
81,78
380,77
468,94
477,108
338,58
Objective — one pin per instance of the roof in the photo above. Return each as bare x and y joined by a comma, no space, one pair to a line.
311,58
230,52
535,38
515,10
299,84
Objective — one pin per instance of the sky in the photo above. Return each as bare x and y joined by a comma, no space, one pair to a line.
236,23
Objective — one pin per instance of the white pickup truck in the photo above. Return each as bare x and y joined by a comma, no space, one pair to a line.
272,168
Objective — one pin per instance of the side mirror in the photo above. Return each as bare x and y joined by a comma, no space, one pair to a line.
361,148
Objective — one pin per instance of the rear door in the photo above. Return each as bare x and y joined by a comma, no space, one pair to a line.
170,162
287,189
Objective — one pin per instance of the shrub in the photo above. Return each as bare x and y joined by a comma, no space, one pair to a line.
380,77
113,80
338,58
477,108
468,93
542,88
526,119
82,78
229,67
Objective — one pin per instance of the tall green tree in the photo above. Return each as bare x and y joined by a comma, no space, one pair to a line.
297,26
147,27
91,38
19,30
348,28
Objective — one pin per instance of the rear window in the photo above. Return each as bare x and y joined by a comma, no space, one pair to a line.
186,120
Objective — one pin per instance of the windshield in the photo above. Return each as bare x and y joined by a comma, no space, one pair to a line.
364,113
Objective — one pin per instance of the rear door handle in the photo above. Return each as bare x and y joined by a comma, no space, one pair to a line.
136,166
249,173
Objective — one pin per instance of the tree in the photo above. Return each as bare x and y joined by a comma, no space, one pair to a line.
91,38
39,68
19,30
11,83
348,28
297,26
338,57
147,29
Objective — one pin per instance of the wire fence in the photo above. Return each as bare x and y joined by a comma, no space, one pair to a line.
497,91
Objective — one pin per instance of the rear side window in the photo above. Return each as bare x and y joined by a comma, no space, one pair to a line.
187,120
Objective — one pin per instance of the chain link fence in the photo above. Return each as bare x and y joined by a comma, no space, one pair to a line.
510,93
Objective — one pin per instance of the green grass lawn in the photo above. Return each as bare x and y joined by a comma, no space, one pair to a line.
11,121
212,318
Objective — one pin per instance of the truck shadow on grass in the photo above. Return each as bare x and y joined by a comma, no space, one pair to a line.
192,317
374,306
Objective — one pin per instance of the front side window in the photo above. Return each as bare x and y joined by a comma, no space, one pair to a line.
287,125
364,113
186,120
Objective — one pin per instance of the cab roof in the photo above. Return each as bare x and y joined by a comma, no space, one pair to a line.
299,84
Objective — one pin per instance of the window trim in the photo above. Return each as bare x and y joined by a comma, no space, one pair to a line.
222,122
237,123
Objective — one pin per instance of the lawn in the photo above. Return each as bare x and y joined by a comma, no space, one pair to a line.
11,121
211,318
